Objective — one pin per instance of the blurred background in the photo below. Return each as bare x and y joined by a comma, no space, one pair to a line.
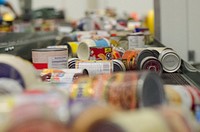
74,9
175,25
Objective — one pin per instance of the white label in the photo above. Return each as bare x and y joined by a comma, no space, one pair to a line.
136,42
96,67
58,62
62,77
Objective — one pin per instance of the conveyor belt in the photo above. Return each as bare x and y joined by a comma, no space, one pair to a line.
174,78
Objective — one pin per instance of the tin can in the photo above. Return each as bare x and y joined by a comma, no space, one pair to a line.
151,63
74,48
67,47
183,96
124,90
114,41
72,63
83,51
84,47
141,60
49,58
102,42
123,42
170,60
117,52
136,40
18,69
178,96
118,66
129,59
100,53
63,75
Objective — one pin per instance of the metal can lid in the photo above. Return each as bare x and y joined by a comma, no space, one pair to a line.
150,90
142,55
151,63
156,53
118,66
170,60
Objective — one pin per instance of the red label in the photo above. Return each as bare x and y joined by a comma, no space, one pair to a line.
100,53
40,65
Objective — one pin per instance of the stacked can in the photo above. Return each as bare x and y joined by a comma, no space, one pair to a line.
169,59
141,60
85,49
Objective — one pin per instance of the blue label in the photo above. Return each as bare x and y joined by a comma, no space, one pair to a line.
102,43
7,71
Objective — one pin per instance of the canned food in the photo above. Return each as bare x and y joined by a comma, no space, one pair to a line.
117,53
129,59
136,40
100,53
63,75
49,58
151,63
67,47
123,90
141,60
84,47
74,48
16,68
184,96
118,66
178,96
170,60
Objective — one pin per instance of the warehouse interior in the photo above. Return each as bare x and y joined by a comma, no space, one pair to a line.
99,66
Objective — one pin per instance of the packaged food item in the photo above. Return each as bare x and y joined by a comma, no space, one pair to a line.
18,69
122,90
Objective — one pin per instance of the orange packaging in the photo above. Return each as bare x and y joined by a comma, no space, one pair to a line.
129,59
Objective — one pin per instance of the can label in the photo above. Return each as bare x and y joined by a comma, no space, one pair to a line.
50,58
95,67
82,90
121,90
129,59
100,53
57,62
136,41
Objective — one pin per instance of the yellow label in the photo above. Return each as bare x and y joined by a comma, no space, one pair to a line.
107,50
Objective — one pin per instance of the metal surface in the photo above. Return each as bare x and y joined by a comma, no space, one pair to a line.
21,44
186,75
157,19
